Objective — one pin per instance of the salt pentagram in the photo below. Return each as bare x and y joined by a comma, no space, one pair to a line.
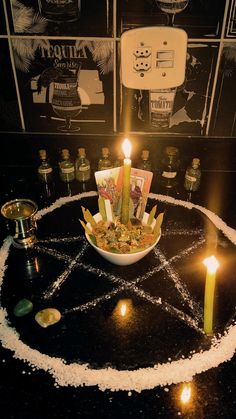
110,378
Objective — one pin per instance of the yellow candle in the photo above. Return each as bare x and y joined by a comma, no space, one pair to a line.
212,264
126,146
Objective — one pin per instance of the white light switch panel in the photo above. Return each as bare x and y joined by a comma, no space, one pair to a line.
153,57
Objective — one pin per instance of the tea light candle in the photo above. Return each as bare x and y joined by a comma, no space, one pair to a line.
126,147
212,264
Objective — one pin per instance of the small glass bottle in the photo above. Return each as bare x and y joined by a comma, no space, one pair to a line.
105,161
193,176
82,166
66,167
45,169
145,163
170,167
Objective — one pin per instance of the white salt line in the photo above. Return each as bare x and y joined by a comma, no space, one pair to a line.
180,286
217,221
168,308
52,252
92,304
180,232
61,279
64,200
144,295
61,240
180,255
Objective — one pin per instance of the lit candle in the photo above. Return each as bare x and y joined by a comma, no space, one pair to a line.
126,146
212,264
186,394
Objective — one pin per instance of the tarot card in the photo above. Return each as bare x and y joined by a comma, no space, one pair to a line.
107,181
140,183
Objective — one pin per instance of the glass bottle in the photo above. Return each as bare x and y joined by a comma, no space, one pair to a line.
66,167
145,163
45,169
82,166
60,10
105,161
193,176
170,166
160,107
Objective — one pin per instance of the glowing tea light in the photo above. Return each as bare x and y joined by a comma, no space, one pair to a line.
186,394
123,312
126,147
123,309
212,264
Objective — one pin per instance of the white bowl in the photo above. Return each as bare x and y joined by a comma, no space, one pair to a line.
122,258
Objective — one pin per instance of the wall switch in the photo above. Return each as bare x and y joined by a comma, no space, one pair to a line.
153,57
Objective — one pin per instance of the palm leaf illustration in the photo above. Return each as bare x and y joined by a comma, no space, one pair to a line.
102,53
26,20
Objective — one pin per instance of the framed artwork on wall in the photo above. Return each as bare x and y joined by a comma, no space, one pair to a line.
182,110
2,20
65,85
9,110
230,30
199,18
223,121
61,18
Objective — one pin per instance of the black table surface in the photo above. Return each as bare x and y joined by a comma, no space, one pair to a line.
163,296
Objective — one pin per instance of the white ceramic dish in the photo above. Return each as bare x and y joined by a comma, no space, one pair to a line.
122,258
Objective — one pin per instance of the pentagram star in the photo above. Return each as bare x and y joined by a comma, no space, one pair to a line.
163,263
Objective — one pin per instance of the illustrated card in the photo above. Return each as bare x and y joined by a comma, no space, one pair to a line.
110,182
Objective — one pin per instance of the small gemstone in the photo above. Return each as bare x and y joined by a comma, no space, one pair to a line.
48,317
23,307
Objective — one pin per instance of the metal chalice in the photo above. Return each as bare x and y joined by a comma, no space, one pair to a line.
22,212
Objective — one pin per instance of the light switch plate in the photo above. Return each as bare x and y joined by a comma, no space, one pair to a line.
153,57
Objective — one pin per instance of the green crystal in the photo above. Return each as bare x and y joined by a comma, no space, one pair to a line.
23,307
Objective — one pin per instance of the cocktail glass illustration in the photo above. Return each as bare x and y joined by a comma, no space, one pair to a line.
171,8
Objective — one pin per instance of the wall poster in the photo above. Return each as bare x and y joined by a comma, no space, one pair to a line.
2,20
199,18
223,121
61,17
9,110
230,31
182,110
65,85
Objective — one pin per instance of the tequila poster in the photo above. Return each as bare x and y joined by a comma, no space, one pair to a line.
65,85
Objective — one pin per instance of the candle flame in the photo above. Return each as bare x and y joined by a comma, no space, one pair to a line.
212,264
126,147
185,394
123,309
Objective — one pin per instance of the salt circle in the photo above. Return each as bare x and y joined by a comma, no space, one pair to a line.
221,350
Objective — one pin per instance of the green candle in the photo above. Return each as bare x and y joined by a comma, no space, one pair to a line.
212,264
126,182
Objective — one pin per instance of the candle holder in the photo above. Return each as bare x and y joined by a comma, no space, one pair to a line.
22,212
